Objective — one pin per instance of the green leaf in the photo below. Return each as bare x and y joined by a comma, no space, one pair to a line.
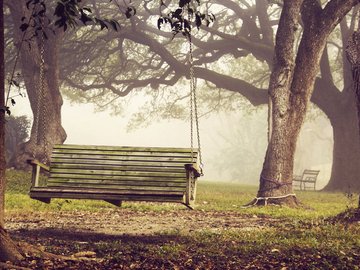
24,27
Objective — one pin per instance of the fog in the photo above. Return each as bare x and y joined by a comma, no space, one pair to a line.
233,143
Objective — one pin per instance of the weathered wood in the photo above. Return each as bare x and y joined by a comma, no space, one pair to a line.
99,172
152,164
118,187
46,193
114,202
115,174
38,163
130,182
36,169
125,158
192,173
112,167
124,148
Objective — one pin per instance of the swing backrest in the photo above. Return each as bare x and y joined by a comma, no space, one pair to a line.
131,169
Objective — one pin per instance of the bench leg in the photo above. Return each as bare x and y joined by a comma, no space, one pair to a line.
114,202
44,200
190,190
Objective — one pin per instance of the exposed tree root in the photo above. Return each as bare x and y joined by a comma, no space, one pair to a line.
11,266
37,252
9,251
287,200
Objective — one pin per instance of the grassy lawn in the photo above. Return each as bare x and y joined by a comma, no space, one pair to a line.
302,238
211,196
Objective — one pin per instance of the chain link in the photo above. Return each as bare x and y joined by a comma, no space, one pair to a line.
193,103
44,112
41,109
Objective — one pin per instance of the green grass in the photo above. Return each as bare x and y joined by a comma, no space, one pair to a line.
211,196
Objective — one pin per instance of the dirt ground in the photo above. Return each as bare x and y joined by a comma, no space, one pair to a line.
77,233
129,222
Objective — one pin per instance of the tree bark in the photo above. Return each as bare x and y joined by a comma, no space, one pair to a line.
47,129
290,89
346,152
275,178
2,117
8,250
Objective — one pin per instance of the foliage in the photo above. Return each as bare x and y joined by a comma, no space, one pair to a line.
180,19
68,13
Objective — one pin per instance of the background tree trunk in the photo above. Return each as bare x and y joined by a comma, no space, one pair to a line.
346,153
2,117
47,129
340,108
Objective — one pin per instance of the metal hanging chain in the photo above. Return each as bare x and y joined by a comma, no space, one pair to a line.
193,103
40,94
41,104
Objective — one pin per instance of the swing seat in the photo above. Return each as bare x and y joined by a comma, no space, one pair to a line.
116,174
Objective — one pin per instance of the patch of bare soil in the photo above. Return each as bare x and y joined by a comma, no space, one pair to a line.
130,222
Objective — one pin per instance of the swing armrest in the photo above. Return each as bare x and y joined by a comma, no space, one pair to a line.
36,167
34,162
192,167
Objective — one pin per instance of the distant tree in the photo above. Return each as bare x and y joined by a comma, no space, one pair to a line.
353,55
16,133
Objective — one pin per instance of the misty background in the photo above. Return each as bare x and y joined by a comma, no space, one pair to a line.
97,68
233,143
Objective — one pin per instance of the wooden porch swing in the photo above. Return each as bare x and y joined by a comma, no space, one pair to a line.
119,173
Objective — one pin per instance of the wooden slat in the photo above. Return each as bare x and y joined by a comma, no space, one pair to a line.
115,175
64,182
124,158
122,153
44,195
132,189
55,171
124,148
152,164
81,178
117,168
106,191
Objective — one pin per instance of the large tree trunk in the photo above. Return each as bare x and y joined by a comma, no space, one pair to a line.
353,55
275,178
290,89
345,171
47,129
339,107
8,250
